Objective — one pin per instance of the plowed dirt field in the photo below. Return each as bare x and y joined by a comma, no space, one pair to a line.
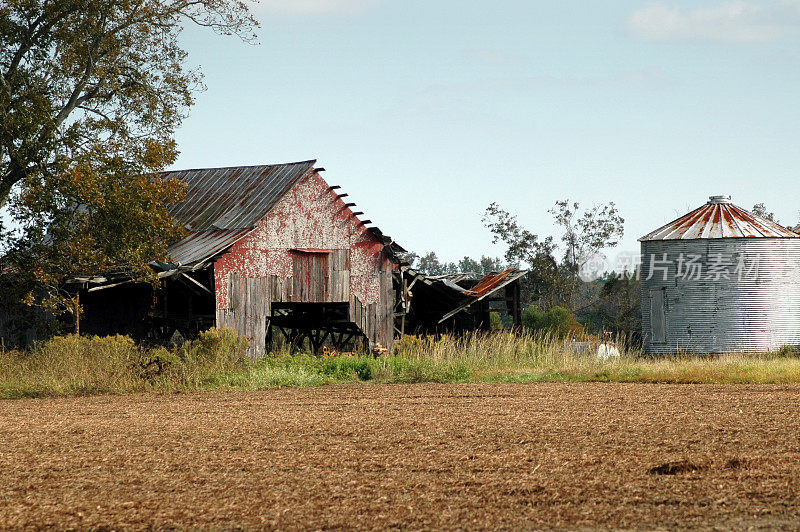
432,456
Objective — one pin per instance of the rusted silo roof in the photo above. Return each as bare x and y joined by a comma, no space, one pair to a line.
719,218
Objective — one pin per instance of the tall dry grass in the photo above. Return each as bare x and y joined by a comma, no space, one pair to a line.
73,365
529,357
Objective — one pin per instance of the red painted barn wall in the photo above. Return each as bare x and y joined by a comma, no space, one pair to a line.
260,268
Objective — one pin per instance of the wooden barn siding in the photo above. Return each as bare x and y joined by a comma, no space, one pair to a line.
309,216
311,277
250,300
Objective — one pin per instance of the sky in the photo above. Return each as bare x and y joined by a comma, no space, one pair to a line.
425,112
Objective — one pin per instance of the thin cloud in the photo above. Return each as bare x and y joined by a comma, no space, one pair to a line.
737,21
310,7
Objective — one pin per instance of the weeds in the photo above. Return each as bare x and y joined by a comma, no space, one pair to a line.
72,365
78,365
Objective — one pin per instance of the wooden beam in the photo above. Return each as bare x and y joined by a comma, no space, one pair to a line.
103,287
198,283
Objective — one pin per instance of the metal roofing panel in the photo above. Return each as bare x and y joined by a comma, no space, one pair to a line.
234,197
719,218
201,245
490,284
222,205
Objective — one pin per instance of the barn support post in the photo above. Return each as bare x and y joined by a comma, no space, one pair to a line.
403,299
78,312
516,302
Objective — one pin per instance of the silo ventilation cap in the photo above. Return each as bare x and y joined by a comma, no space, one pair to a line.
714,200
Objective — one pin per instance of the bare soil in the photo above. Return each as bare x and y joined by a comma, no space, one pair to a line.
432,456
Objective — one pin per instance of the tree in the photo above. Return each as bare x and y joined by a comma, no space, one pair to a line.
409,257
617,307
544,284
759,209
586,233
91,93
429,264
480,267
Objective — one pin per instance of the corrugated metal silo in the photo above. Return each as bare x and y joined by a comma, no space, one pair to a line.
720,279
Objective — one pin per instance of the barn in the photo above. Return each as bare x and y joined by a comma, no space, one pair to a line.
265,244
280,255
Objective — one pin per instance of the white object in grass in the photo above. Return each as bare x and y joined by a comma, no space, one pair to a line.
606,351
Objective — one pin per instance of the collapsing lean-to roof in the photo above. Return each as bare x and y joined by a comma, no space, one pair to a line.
457,301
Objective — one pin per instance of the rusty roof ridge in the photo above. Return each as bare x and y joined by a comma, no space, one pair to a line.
718,220
733,219
756,217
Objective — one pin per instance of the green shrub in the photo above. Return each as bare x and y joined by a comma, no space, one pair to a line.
557,320
344,367
786,350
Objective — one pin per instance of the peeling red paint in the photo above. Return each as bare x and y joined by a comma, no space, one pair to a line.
308,217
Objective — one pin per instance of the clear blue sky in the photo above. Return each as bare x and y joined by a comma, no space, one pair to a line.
427,111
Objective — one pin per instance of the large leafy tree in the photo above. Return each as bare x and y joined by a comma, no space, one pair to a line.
586,232
91,93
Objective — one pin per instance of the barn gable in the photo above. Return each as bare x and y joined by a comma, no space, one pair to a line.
309,253
309,220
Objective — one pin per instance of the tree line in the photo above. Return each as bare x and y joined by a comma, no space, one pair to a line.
554,296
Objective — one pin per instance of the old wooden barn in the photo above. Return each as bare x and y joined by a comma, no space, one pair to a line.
271,244
276,253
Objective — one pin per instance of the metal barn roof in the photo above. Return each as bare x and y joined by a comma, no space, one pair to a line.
719,218
235,197
200,245
222,205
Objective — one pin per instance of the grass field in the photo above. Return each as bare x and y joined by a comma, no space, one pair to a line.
74,365
420,456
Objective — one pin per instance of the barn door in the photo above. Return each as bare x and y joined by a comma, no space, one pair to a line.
311,277
658,322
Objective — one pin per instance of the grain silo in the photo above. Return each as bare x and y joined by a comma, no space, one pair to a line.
720,279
